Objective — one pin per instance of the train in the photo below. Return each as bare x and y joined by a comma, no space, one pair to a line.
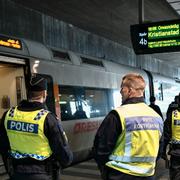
81,89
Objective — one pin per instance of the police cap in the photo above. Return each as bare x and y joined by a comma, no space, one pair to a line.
38,83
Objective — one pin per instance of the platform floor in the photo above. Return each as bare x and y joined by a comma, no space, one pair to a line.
88,171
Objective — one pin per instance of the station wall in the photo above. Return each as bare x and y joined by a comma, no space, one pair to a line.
26,23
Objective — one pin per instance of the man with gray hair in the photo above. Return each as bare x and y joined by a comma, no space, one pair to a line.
127,142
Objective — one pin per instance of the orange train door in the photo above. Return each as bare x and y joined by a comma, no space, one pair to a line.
57,100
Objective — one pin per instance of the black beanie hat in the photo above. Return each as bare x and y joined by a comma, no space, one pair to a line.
38,83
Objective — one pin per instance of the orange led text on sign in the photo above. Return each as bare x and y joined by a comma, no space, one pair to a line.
11,43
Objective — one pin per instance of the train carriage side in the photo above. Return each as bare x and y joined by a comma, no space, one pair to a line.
81,89
84,93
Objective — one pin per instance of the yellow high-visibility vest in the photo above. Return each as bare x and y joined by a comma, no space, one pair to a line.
137,147
25,132
175,127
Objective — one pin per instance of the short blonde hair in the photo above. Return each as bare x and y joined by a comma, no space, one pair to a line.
134,80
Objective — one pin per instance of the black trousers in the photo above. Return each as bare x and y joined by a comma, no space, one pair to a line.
31,171
27,176
113,174
174,169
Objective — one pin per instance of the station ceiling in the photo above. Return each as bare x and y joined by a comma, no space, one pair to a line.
109,18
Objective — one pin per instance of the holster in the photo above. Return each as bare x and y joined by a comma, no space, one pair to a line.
53,168
10,167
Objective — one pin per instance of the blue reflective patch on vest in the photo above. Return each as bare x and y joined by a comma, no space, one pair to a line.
177,122
22,126
18,155
143,123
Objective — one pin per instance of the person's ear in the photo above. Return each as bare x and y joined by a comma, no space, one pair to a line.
130,90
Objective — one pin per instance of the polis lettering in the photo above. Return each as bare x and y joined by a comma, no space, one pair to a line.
22,126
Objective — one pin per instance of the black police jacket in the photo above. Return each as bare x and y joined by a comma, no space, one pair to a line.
108,133
174,149
53,131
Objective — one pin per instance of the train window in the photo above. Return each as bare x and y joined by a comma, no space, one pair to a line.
61,55
92,62
82,103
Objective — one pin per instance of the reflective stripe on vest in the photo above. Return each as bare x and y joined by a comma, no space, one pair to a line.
25,131
132,159
129,169
18,155
175,127
141,127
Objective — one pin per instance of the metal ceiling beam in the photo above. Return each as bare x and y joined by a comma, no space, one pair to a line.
141,11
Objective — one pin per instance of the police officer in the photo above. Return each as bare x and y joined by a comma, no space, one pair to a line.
127,142
172,137
32,141
173,106
152,100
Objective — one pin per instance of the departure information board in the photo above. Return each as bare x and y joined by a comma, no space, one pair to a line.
156,37
10,42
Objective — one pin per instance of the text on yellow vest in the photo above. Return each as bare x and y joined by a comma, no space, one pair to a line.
25,132
137,147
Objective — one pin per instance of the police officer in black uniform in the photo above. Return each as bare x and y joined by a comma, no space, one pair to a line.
111,135
32,141
152,100
172,137
173,106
